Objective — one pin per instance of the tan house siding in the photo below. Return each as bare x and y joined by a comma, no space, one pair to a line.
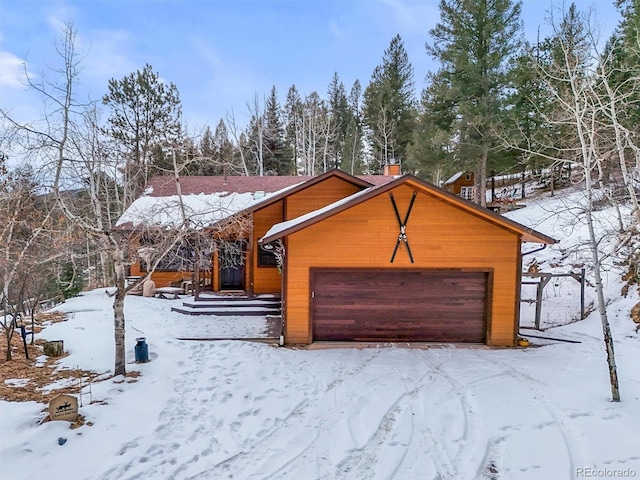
269,279
265,279
161,279
440,235
318,196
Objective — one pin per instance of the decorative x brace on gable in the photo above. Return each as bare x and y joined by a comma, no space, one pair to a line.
402,236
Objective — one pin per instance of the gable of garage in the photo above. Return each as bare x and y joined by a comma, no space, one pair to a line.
291,203
443,238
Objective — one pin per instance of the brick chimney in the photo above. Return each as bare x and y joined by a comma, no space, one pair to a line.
392,168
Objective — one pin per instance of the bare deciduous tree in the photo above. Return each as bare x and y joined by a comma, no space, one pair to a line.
585,114
88,189
27,232
233,129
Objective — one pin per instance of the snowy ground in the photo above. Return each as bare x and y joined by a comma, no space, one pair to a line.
241,410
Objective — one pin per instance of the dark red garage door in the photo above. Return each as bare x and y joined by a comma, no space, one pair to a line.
399,305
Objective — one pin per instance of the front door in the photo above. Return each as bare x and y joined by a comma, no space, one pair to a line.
232,267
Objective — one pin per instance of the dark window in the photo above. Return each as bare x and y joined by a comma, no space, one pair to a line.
179,259
266,258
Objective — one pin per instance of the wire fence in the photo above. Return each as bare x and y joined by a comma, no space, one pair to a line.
553,300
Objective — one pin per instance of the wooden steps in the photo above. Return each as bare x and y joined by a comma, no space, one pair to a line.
231,305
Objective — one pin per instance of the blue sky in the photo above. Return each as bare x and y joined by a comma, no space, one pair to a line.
220,53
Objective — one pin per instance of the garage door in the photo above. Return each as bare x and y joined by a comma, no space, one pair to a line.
398,305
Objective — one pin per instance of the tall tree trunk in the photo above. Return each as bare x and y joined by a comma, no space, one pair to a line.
585,135
105,270
8,336
8,329
602,309
354,151
325,149
118,318
626,178
482,175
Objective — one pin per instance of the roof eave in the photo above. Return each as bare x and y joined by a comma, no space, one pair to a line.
536,237
270,200
526,234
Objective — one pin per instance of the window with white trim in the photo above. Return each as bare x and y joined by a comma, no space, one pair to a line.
467,193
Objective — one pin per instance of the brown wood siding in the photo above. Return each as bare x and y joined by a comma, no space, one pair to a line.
398,305
456,187
215,268
441,236
161,279
318,196
164,278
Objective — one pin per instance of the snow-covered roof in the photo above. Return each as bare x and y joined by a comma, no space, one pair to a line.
208,200
455,177
165,185
282,226
200,211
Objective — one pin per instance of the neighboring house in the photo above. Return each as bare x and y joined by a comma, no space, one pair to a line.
374,258
462,184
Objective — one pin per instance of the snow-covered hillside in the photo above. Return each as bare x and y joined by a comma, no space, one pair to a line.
241,410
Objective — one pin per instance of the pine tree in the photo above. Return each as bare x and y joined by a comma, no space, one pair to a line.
206,145
293,117
567,49
224,155
339,117
475,40
390,107
430,155
352,150
215,151
145,114
277,158
623,61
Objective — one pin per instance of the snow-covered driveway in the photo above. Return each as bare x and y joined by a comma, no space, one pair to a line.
373,413
229,409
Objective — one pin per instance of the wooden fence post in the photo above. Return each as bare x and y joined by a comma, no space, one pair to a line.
582,281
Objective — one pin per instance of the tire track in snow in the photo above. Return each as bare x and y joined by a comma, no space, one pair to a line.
327,427
329,423
364,459
472,451
243,463
446,467
488,468
352,372
576,451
